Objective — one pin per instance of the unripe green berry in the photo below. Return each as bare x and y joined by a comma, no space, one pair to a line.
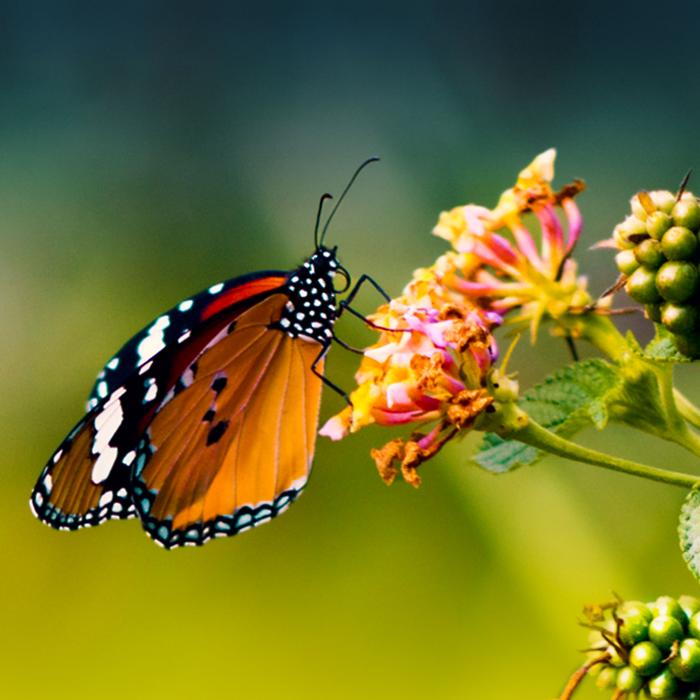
650,252
634,628
621,240
692,695
687,213
628,679
632,226
690,605
694,625
614,657
685,665
645,658
638,208
626,261
682,320
676,281
636,607
663,200
679,243
689,345
658,223
607,678
665,605
664,631
663,685
653,312
642,287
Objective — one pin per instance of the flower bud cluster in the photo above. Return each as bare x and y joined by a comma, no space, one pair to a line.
648,647
659,255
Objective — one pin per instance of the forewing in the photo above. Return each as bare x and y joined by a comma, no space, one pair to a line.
233,448
178,324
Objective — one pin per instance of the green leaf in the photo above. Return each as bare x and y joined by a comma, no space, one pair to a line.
567,401
662,348
689,531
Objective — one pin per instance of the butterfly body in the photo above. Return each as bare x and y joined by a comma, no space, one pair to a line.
204,423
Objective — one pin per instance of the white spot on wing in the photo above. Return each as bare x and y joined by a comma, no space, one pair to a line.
107,423
151,393
185,305
216,288
144,368
153,343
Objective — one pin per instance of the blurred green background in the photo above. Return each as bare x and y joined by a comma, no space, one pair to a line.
148,150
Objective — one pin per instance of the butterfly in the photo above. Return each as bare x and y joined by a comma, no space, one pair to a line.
204,424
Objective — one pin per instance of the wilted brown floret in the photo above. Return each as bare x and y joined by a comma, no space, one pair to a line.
467,405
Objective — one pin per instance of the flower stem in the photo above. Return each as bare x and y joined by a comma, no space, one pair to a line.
687,408
578,676
677,429
535,435
601,332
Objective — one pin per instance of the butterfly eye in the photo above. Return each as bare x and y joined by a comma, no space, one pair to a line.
346,276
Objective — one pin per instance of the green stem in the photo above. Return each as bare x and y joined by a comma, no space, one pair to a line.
687,408
535,435
677,429
598,330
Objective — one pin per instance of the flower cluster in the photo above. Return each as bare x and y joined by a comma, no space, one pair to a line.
429,366
509,272
435,355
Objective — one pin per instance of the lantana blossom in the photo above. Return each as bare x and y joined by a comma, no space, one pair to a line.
428,367
512,272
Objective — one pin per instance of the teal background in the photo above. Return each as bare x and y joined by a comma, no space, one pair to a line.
148,150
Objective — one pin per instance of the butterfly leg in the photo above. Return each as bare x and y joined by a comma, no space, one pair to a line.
371,324
343,344
324,379
361,280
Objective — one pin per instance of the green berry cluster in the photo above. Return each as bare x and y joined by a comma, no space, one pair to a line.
659,255
650,647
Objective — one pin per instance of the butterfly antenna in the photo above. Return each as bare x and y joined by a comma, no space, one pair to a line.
373,159
324,197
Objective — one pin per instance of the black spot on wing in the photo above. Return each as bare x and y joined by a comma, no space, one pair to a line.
209,416
219,384
217,432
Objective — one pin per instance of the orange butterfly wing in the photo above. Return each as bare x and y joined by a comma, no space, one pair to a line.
233,448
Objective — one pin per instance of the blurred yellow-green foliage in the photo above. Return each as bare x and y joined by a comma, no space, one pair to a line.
148,150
